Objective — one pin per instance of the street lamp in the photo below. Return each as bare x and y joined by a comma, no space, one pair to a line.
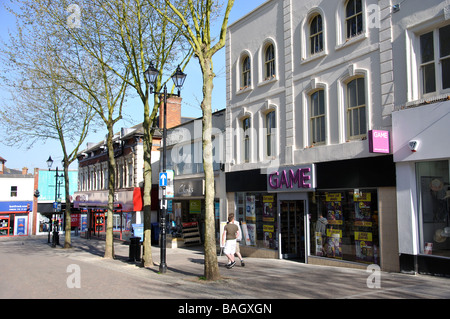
178,79
55,238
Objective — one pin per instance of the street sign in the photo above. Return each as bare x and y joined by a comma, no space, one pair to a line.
57,206
163,179
168,186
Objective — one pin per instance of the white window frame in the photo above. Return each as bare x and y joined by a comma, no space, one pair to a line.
352,73
312,117
341,25
240,88
436,62
262,78
349,109
306,55
413,60
246,140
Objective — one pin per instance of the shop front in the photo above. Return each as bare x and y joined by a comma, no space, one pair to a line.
422,157
340,213
352,214
14,218
271,207
127,212
186,209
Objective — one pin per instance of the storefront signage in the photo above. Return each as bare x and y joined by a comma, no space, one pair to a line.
187,188
292,179
195,206
16,206
379,141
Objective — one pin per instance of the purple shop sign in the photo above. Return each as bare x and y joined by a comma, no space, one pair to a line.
379,141
290,179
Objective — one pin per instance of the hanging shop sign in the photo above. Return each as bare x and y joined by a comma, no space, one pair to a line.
292,179
379,141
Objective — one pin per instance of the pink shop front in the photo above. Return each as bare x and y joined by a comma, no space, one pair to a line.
302,214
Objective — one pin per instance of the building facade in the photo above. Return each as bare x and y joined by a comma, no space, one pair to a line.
16,201
421,57
308,101
185,159
92,195
52,189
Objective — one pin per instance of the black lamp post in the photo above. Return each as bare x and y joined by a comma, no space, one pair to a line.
55,238
178,79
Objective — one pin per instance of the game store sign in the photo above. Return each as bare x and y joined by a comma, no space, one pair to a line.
292,179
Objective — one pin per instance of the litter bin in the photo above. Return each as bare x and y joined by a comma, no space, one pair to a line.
155,233
135,249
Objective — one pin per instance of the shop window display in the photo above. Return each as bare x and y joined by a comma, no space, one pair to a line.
344,225
257,215
434,207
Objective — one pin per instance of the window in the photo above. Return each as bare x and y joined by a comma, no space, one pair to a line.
13,191
434,207
259,213
316,35
269,62
246,139
344,225
270,134
435,60
246,74
317,118
356,107
353,18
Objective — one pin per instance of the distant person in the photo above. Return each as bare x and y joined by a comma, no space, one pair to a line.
230,233
238,239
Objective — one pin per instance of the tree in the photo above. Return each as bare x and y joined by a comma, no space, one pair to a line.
39,108
140,35
197,30
113,41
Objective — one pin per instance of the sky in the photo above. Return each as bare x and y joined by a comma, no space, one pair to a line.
37,155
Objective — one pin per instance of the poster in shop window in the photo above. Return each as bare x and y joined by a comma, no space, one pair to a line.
251,233
363,212
269,236
334,208
269,211
250,211
364,247
333,244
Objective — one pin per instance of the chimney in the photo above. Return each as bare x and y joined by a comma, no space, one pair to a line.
173,112
2,165
25,171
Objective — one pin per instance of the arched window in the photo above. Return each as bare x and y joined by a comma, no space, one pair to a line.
269,62
317,117
316,35
354,18
356,107
246,139
270,134
246,73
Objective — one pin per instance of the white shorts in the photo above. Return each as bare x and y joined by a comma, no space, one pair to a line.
230,247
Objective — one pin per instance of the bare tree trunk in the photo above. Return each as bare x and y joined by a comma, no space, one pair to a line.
211,265
67,237
147,260
109,243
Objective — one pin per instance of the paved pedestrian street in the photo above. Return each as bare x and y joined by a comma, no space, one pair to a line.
31,269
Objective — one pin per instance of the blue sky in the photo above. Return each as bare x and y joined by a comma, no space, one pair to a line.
191,94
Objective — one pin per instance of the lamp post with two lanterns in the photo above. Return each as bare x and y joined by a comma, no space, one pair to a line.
56,207
178,78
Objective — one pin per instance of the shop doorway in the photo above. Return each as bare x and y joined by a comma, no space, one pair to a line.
292,230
